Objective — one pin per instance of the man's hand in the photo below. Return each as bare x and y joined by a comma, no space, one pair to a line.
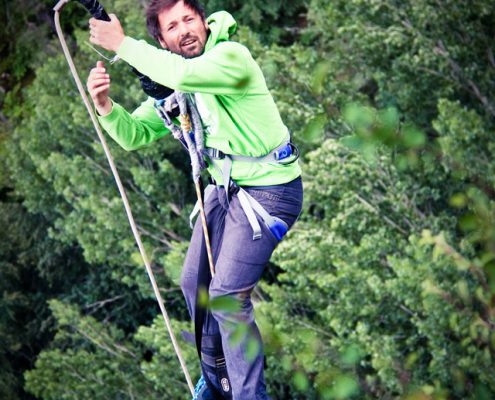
108,35
98,86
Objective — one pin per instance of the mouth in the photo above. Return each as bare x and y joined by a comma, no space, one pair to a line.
188,42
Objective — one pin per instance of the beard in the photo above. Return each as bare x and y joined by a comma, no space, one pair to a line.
197,47
192,54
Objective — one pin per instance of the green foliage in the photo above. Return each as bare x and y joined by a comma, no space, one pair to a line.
355,274
99,363
25,35
276,20
344,267
463,136
59,173
408,48
383,289
162,369
29,272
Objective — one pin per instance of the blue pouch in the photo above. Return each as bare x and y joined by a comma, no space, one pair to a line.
278,227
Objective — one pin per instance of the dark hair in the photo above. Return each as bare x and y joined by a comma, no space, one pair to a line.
157,6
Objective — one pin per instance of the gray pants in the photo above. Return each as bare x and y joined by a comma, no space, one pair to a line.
239,263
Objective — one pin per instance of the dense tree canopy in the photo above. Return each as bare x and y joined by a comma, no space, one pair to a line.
384,288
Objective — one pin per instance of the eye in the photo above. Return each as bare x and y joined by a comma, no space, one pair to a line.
170,28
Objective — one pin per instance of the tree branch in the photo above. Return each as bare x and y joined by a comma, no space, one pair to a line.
441,50
377,211
490,57
160,239
99,304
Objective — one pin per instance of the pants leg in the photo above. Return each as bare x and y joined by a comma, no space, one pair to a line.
239,264
196,270
196,261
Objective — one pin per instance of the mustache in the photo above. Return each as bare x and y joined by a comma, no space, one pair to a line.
187,38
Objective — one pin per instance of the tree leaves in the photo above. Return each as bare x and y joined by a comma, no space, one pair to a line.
383,287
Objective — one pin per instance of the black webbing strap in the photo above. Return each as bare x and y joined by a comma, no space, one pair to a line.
200,313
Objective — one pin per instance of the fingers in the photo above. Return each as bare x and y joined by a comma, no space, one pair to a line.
95,92
93,38
94,30
95,87
108,35
92,25
98,80
98,73
98,85
95,83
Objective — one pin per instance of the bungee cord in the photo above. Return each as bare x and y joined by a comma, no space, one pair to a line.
92,6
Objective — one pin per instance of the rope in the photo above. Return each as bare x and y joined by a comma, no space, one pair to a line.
199,139
124,200
196,163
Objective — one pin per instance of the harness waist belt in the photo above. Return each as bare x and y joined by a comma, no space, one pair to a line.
277,155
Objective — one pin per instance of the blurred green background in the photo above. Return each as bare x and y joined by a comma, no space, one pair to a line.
384,289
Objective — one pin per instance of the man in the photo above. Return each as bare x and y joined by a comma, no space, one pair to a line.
240,118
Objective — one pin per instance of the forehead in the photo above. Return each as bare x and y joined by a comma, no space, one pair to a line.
175,13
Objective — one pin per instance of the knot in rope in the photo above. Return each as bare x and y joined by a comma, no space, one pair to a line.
185,124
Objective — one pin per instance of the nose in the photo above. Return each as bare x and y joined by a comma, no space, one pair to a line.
183,30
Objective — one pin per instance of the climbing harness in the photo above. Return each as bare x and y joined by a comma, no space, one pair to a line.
98,12
287,153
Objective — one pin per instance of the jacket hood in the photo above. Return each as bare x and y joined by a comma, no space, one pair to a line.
222,26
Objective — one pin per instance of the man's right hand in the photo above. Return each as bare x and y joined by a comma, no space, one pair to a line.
98,86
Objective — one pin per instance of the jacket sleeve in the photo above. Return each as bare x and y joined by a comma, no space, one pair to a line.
132,131
221,70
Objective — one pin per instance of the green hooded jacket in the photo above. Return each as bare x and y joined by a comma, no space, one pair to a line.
237,110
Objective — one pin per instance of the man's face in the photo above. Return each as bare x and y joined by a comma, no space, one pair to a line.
183,31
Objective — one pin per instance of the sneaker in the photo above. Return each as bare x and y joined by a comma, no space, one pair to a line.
201,391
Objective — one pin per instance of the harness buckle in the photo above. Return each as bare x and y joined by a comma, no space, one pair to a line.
290,149
283,152
233,188
216,154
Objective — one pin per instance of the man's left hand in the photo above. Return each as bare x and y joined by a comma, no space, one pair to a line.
108,35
